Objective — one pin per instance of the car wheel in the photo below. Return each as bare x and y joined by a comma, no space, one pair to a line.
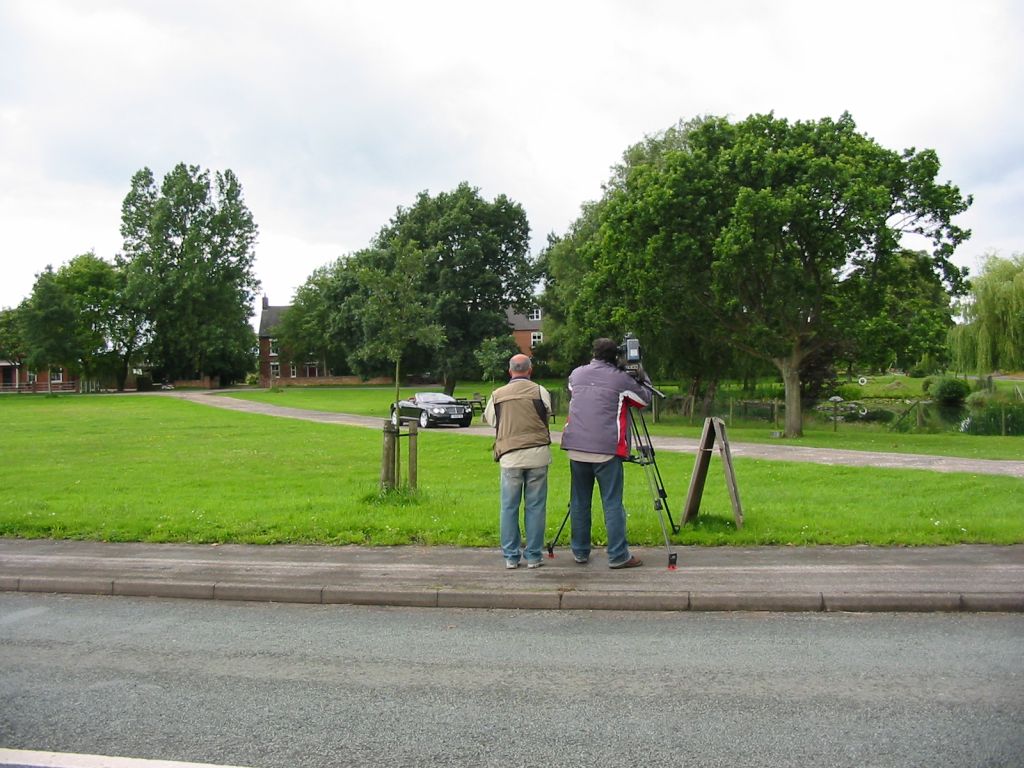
424,419
395,418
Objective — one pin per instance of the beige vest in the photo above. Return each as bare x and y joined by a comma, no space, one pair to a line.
521,418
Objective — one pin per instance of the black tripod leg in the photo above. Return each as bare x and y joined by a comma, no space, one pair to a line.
657,488
551,544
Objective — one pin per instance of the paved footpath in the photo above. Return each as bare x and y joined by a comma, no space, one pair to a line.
955,578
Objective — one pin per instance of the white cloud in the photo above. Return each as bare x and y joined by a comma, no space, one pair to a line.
334,113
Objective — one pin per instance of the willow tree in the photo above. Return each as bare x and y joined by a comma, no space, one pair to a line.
992,338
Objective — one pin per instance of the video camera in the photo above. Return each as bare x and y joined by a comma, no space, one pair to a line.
629,357
630,361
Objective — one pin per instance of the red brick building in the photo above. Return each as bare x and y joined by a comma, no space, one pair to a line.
16,377
526,329
277,370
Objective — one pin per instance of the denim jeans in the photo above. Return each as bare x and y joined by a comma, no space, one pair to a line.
581,493
531,487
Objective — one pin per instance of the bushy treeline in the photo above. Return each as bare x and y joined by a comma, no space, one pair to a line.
177,300
732,249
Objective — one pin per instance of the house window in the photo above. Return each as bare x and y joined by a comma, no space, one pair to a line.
293,370
275,370
57,375
536,338
535,314
274,350
31,377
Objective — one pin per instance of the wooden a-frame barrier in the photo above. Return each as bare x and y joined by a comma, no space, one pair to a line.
714,431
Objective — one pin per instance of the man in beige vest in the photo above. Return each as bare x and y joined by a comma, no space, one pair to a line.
519,413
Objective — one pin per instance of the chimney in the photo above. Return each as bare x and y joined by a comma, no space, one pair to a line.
266,302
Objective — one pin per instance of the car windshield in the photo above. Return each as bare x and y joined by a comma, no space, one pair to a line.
433,397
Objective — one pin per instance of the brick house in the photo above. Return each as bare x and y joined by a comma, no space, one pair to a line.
16,377
276,371
526,329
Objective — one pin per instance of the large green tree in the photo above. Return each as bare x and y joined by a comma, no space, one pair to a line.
189,253
476,265
50,325
599,283
318,325
904,316
13,347
93,287
394,317
761,222
992,336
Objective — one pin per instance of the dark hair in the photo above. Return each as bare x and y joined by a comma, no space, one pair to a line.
606,350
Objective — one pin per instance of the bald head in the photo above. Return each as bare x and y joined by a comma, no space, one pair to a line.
519,365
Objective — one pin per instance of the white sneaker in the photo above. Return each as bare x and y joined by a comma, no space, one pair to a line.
534,563
511,564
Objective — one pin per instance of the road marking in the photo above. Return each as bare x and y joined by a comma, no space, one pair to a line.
26,613
19,758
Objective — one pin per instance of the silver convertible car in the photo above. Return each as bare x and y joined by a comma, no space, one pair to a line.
431,409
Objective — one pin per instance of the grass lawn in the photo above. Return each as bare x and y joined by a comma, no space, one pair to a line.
138,468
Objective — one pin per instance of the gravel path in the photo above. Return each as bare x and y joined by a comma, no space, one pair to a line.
767,452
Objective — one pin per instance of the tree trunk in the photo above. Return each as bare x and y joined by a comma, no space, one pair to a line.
709,397
789,367
449,384
121,375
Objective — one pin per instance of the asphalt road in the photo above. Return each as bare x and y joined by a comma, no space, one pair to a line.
288,685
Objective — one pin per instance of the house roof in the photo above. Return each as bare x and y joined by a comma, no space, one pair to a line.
271,318
521,322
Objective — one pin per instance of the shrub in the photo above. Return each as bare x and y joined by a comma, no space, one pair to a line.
995,419
949,391
982,399
878,415
850,391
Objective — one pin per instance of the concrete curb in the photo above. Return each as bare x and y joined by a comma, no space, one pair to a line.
565,600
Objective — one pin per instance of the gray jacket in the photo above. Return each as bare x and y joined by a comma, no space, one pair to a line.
597,421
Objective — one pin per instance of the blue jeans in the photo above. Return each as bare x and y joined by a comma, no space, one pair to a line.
581,493
531,487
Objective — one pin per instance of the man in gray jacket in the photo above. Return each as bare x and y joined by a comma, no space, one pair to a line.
597,437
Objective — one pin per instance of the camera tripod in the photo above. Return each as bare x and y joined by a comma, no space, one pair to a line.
643,454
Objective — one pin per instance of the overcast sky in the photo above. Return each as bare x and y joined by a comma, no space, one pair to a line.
333,114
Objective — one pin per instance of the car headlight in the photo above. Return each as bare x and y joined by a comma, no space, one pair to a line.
435,409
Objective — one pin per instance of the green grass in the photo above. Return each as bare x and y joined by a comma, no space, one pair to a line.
136,468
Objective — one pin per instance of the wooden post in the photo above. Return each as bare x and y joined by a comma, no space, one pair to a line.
398,457
413,456
387,463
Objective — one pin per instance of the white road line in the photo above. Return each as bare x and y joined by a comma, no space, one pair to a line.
28,759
